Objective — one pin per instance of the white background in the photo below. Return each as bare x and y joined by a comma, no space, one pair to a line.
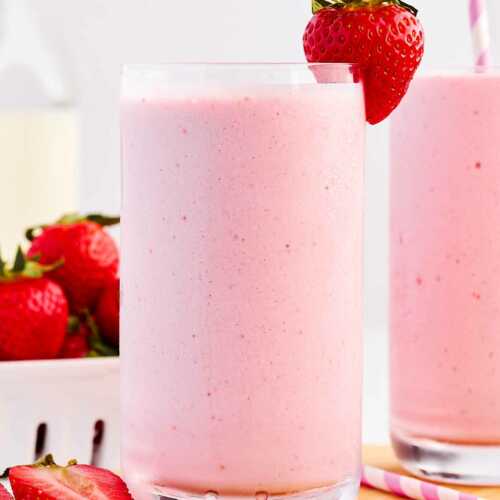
92,38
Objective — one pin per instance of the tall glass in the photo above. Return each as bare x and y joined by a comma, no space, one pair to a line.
445,305
242,280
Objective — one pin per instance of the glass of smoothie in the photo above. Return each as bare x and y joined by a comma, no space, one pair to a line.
242,280
445,277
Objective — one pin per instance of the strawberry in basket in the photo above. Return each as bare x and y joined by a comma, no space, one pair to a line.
84,339
77,341
46,480
108,313
89,254
33,311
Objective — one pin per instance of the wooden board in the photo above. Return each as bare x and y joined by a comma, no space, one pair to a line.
383,457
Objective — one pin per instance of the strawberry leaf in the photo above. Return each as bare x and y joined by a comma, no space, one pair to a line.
74,218
32,232
97,346
24,267
103,220
19,262
73,324
318,5
3,265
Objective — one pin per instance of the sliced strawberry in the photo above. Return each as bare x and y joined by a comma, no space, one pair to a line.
48,481
4,494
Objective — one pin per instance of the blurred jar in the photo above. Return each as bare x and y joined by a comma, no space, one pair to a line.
38,130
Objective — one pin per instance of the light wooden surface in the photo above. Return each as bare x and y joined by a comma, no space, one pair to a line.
384,458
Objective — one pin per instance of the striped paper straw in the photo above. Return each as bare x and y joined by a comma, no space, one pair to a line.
480,31
408,487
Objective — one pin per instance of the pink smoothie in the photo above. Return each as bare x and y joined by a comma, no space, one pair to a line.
242,276
445,242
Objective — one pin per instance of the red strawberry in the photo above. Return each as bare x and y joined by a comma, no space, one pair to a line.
76,344
108,313
48,481
84,339
33,312
4,494
89,254
383,36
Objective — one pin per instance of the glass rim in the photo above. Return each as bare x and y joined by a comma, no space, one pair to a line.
144,79
136,67
456,70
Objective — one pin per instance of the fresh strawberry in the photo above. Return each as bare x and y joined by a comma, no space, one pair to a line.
84,339
4,494
33,311
108,313
383,36
89,254
48,481
76,344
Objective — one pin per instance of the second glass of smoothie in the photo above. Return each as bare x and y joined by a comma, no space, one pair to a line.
445,277
242,281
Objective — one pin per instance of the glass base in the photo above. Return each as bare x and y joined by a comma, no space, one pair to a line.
347,490
476,465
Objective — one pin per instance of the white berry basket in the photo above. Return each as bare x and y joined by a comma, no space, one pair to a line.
69,408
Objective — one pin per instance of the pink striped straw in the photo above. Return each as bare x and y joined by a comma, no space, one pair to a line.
480,31
408,487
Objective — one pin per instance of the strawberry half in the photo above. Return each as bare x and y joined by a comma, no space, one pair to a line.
48,481
383,36
4,494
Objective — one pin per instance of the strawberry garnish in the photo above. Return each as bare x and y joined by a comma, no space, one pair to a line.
89,254
383,36
48,481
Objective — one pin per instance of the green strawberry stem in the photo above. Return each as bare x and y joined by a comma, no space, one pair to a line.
48,461
19,262
3,266
25,268
74,218
73,324
104,220
318,5
97,346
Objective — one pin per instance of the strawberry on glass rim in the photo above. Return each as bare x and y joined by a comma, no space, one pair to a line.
383,36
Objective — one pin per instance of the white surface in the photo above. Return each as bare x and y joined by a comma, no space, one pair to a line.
69,396
376,388
18,23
